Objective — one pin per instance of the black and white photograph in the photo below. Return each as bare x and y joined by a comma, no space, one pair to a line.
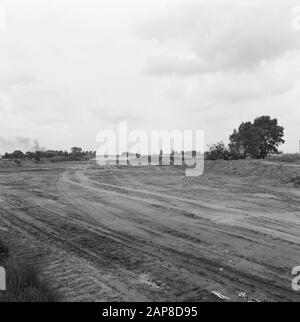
149,153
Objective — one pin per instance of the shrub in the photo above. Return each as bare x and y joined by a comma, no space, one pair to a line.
217,151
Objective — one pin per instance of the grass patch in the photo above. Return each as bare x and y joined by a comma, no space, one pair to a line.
23,282
287,157
3,251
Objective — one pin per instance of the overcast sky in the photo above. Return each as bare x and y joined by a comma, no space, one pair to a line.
70,68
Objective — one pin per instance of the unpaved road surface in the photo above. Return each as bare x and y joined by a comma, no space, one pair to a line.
146,234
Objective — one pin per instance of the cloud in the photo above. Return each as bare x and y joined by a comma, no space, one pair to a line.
222,35
218,56
68,71
269,79
10,79
167,65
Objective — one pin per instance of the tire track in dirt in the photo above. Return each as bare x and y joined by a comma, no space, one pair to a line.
64,262
89,247
205,260
65,244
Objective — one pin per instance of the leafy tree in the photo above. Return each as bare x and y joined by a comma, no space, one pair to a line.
245,141
256,140
18,154
76,151
271,135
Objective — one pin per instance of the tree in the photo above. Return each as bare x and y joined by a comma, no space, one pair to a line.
17,154
217,151
271,135
256,140
245,142
76,151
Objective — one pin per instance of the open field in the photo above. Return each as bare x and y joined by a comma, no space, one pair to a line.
146,234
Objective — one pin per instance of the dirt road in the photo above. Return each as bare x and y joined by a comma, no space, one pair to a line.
142,234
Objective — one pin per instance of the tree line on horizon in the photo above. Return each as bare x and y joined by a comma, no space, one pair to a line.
76,153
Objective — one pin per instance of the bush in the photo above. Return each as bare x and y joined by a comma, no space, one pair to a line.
217,152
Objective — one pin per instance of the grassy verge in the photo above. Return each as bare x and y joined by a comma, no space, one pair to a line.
287,157
23,282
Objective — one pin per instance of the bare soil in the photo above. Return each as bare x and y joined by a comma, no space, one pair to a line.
147,234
